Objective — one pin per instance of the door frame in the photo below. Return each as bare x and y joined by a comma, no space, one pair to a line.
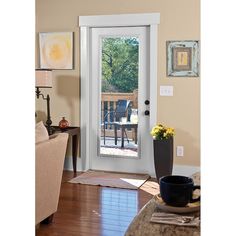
85,24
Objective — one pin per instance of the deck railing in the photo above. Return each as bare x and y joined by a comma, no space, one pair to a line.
109,100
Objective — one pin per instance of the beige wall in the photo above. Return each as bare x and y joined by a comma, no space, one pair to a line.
180,20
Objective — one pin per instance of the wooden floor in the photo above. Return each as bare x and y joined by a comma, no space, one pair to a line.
86,210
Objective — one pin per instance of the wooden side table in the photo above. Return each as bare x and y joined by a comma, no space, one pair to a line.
74,132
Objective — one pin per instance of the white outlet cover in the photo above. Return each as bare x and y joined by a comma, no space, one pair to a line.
179,151
166,90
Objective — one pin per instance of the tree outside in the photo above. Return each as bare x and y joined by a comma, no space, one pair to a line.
120,64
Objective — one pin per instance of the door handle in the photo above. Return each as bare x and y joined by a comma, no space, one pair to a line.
146,113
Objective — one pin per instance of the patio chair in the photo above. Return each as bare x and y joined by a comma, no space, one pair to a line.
120,111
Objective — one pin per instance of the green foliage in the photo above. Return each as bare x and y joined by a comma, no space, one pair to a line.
120,64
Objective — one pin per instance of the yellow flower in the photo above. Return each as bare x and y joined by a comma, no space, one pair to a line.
162,132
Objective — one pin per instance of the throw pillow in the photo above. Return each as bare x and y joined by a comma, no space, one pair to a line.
41,133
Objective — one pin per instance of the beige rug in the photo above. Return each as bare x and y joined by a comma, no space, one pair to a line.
110,179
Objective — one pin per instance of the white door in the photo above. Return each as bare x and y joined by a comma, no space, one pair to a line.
136,153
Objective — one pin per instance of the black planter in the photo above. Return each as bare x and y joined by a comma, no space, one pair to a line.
163,157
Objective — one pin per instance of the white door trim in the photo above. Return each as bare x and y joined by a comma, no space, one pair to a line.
145,19
86,23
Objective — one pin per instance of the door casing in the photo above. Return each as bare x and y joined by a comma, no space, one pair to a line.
86,23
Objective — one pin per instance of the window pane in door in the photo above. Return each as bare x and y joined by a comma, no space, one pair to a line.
119,96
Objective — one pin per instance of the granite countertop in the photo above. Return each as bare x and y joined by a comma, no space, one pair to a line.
141,225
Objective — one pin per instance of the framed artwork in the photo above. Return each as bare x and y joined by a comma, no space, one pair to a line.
56,50
182,58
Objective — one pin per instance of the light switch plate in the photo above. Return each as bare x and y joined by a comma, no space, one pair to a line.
166,90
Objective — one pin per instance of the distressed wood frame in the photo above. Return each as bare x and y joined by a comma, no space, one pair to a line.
182,58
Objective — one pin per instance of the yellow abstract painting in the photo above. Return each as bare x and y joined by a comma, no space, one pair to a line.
56,50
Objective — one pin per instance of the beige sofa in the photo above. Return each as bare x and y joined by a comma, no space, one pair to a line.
50,156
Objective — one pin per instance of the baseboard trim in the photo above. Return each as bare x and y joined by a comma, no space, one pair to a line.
181,170
185,170
68,165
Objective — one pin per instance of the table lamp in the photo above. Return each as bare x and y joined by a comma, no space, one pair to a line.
43,79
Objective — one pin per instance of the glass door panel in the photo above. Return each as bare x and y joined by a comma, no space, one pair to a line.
119,96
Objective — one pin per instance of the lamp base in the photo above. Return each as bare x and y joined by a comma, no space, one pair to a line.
48,126
50,130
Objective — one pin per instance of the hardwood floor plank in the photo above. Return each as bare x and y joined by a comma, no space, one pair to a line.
97,211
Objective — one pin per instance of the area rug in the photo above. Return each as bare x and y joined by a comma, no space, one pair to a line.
111,179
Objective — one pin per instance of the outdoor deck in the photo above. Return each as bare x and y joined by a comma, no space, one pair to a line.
108,103
130,149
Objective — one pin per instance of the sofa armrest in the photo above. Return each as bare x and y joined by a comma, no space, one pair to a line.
50,156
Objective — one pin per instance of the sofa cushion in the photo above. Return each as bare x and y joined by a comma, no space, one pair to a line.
41,133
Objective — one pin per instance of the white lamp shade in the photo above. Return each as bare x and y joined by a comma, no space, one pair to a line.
43,78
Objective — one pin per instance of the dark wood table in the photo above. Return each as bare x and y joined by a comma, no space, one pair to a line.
123,126
73,132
